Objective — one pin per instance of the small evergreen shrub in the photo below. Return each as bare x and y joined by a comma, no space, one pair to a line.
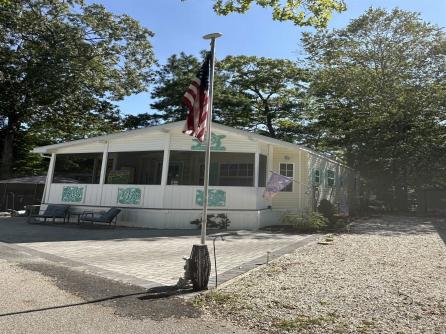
328,210
219,221
313,223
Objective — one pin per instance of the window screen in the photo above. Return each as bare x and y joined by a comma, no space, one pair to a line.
316,176
78,168
226,169
143,167
330,178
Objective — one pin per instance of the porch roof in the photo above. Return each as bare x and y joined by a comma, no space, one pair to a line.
165,128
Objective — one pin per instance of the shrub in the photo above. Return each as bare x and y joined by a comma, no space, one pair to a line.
313,223
328,210
219,221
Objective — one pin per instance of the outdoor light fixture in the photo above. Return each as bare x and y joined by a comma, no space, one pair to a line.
213,35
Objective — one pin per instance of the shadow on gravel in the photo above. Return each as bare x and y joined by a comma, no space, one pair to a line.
441,230
398,225
127,300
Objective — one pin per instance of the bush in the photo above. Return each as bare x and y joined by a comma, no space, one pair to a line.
328,210
313,223
219,221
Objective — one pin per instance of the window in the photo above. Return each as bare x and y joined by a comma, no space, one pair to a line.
226,169
144,167
316,176
330,178
287,170
78,168
262,170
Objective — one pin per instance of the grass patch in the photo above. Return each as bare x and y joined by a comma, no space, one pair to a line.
366,326
218,298
303,322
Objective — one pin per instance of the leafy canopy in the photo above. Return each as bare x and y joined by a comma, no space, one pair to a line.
251,93
62,64
380,88
314,13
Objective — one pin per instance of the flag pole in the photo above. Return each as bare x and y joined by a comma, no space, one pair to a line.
207,159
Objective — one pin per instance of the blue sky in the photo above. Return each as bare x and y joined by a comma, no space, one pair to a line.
179,25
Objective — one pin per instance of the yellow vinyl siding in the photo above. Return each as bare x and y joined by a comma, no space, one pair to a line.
297,199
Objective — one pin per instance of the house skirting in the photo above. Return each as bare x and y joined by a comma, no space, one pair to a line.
159,218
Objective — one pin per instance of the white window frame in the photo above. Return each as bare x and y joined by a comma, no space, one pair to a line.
334,177
294,173
313,176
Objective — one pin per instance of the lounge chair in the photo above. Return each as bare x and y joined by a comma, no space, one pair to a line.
52,211
108,217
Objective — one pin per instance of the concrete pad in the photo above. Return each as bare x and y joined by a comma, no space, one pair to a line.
142,256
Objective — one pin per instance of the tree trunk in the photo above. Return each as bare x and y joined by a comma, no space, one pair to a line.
199,267
269,125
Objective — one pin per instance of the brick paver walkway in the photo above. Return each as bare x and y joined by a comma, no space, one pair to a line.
142,256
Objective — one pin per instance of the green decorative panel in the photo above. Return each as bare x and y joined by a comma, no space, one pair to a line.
130,196
216,144
216,197
72,194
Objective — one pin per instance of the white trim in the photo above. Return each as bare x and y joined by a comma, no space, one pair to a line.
301,190
49,179
179,125
103,170
293,177
166,158
256,167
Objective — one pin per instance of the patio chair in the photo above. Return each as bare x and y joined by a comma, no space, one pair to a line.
108,217
52,211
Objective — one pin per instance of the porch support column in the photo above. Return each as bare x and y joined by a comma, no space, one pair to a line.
49,179
104,164
270,160
256,167
166,157
103,170
300,185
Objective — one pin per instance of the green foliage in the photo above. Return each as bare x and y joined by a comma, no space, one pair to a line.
380,97
327,210
315,222
63,64
273,88
219,221
304,323
314,13
257,94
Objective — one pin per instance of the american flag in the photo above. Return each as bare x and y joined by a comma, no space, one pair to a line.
197,101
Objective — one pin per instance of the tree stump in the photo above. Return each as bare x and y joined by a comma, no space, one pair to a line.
200,267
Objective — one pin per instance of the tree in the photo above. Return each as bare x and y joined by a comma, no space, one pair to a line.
251,93
314,13
62,64
272,88
380,84
173,78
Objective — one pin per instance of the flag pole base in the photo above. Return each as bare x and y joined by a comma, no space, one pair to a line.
199,267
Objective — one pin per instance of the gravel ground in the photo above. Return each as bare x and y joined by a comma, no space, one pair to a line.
387,276
25,292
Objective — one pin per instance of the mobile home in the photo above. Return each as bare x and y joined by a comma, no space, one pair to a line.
155,175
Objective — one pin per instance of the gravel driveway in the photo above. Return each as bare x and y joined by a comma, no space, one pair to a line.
387,276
